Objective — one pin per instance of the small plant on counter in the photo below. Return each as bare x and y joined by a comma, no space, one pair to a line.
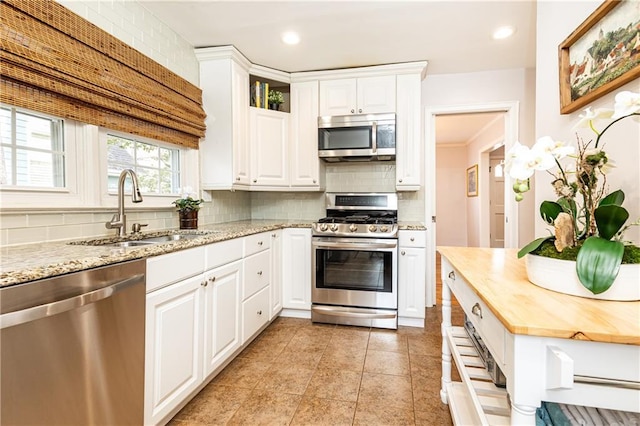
588,221
188,203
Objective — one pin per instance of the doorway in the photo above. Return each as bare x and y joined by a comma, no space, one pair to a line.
496,198
478,208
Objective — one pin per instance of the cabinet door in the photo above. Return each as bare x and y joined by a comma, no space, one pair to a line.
338,97
408,133
173,346
275,300
255,313
240,126
296,268
376,94
304,162
269,147
411,282
221,314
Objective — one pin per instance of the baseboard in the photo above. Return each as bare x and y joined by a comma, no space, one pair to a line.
411,322
295,313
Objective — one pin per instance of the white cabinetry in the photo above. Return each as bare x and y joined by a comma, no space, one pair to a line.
275,300
296,273
173,336
304,166
269,147
257,276
224,151
411,277
365,95
408,133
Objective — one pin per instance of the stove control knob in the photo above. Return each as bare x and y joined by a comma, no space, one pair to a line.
373,228
323,227
384,229
334,227
353,227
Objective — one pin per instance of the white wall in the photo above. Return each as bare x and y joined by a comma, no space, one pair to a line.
447,90
451,165
556,20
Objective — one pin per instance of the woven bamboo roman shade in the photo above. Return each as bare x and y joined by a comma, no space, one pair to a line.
56,62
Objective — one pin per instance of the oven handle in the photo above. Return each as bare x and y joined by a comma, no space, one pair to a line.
341,312
354,245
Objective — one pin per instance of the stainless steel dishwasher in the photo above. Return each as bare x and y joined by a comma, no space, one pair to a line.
72,348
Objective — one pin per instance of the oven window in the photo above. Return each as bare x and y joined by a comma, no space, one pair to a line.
344,138
354,270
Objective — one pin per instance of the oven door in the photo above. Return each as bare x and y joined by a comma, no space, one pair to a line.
355,272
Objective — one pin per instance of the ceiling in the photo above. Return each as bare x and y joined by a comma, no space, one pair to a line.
452,36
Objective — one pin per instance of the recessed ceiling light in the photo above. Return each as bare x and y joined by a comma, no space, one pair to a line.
503,32
291,37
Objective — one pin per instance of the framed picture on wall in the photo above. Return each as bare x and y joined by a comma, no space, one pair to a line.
602,54
472,181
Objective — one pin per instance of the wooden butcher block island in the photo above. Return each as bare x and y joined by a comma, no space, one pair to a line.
550,346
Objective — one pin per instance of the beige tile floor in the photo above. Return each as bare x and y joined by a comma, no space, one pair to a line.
300,373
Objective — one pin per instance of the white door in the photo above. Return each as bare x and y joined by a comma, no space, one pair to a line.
376,95
304,161
240,117
222,314
338,97
296,268
173,346
496,203
411,283
269,147
276,274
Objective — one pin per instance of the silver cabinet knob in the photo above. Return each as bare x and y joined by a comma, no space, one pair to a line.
260,273
412,239
203,283
452,275
400,180
403,252
260,312
255,180
314,181
274,235
238,178
360,110
353,111
259,243
212,279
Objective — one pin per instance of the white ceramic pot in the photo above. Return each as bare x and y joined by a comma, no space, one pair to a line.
560,275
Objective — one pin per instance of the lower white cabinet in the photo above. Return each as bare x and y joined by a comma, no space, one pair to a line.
296,272
275,300
255,313
411,274
221,314
173,346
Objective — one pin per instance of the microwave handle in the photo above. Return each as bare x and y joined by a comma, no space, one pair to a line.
374,135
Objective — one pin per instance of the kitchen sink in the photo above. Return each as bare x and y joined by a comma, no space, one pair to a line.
129,244
141,242
168,238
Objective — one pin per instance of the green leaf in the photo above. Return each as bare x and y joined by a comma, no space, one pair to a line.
610,219
598,263
549,210
615,198
569,206
532,246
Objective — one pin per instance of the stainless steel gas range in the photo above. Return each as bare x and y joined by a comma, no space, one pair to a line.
355,261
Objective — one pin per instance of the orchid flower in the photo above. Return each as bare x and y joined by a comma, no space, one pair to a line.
589,116
626,103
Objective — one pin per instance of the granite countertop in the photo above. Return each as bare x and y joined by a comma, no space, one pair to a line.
30,262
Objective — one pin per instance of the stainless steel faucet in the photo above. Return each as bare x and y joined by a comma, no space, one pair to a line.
119,220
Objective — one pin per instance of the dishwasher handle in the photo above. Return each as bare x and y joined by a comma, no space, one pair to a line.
11,319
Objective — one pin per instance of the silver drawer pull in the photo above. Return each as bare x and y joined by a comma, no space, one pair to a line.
452,275
412,239
212,279
477,310
259,272
260,312
203,283
259,243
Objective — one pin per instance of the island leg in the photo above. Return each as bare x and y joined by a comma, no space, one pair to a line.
446,351
523,415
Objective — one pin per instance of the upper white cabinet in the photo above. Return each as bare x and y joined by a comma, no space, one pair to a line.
305,166
408,133
269,147
224,151
366,95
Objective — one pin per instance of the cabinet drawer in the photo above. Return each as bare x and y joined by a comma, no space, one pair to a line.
222,253
172,267
412,238
256,273
255,313
256,243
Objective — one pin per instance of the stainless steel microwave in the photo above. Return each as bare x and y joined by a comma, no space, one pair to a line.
361,137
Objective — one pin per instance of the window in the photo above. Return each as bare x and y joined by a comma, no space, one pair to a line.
157,166
33,151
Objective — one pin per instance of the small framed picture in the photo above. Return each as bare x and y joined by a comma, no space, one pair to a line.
472,181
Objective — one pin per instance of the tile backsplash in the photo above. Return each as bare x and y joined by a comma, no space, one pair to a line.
225,206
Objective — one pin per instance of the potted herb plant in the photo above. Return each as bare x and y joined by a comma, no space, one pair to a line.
188,210
588,221
275,99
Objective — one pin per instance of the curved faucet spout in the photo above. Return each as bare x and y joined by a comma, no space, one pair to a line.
119,220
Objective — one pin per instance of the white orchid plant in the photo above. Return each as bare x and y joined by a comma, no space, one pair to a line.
584,216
